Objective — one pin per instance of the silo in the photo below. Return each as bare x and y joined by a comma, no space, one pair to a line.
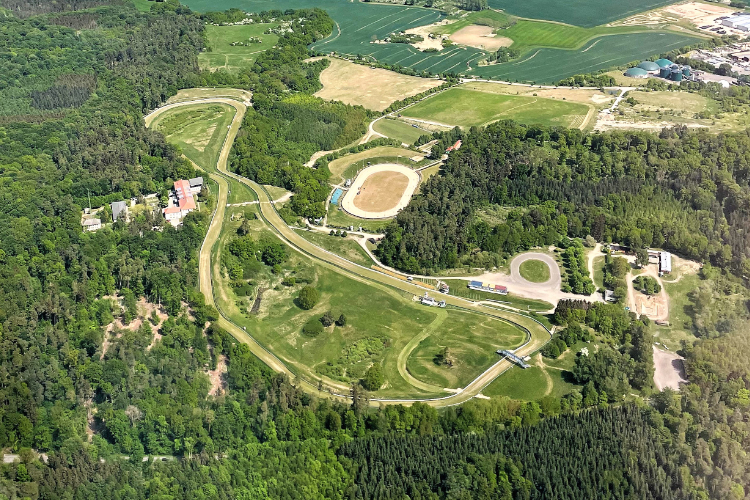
686,70
676,75
665,72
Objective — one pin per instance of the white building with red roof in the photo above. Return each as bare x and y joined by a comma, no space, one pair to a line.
181,204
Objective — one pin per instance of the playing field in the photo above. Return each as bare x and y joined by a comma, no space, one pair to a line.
347,166
381,191
223,55
577,12
534,270
466,108
369,87
551,65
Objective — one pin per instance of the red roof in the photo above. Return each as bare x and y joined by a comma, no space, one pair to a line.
184,195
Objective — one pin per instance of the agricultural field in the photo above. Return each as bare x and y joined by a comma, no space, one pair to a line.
586,13
528,34
548,65
396,129
469,347
222,55
467,107
654,110
358,24
372,88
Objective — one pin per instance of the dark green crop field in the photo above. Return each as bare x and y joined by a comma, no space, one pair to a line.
358,24
586,13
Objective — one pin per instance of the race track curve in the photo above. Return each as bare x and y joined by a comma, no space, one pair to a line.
537,334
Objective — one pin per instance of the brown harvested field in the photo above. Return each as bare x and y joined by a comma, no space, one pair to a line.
480,37
372,88
381,191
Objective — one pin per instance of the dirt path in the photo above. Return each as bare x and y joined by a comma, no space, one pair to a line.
403,356
593,254
547,377
537,335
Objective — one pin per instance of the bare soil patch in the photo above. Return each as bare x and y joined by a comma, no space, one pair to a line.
372,88
218,381
381,191
480,37
669,370
436,42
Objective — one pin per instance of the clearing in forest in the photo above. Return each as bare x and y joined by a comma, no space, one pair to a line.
232,48
372,88
467,107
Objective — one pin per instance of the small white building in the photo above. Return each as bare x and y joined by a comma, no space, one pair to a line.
196,184
91,225
665,263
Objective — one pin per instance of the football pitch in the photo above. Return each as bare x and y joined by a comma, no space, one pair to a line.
566,52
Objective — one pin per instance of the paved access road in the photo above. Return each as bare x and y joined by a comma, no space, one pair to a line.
537,334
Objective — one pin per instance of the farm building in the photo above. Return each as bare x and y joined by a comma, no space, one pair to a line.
665,263
488,287
650,66
636,73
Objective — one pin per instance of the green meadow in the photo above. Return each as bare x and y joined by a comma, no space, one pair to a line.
222,55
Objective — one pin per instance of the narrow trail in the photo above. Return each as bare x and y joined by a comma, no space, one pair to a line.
536,334
411,345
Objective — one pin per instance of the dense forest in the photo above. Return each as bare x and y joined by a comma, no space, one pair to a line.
685,191
96,397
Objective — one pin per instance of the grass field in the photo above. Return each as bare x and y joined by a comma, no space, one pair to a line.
535,271
372,88
587,13
545,377
347,166
466,108
599,271
491,18
345,247
143,5
339,218
459,289
223,55
528,34
473,344
680,328
199,130
340,353
399,130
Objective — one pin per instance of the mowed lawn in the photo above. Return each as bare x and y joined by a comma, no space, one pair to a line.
467,108
223,55
399,130
472,339
534,270
587,13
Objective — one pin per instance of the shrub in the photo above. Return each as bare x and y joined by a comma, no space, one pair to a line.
341,321
327,319
373,378
308,297
312,328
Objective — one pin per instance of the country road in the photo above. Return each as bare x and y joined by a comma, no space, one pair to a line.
537,334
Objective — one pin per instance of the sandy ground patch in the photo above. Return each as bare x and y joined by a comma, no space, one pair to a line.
218,382
609,122
427,43
369,87
387,194
381,191
480,37
698,13
669,370
144,313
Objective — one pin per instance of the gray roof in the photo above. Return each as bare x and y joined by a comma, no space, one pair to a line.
118,207
196,181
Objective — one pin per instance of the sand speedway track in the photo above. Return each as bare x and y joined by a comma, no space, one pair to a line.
376,195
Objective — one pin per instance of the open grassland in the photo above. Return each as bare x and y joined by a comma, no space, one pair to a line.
527,34
347,248
399,130
358,24
380,321
586,13
143,5
466,107
339,218
548,65
470,340
223,55
626,81
545,377
598,265
372,88
347,166
534,270
459,289
200,130
491,18
654,110
680,305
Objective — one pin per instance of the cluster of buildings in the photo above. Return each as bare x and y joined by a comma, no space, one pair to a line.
180,203
488,287
739,22
662,68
